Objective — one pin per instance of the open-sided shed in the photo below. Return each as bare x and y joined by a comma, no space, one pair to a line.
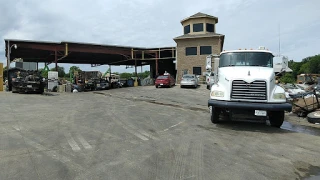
94,54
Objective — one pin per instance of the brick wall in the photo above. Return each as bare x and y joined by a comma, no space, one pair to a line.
188,62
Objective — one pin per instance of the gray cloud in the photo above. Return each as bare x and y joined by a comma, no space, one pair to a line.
246,23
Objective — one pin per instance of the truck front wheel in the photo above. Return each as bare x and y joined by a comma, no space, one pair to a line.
276,118
215,113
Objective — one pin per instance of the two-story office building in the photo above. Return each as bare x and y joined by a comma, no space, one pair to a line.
199,40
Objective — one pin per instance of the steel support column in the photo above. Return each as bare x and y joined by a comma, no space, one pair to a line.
56,59
8,61
157,73
135,67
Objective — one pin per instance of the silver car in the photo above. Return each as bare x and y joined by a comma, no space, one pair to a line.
190,80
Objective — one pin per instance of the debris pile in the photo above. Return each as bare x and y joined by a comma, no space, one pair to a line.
304,98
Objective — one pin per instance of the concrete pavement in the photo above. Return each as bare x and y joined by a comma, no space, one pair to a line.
142,133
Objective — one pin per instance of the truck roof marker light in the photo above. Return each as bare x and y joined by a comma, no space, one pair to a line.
245,48
239,48
250,48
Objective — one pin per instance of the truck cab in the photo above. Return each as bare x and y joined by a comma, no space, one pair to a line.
245,85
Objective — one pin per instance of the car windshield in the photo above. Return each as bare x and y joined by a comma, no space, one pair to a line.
188,76
263,59
163,77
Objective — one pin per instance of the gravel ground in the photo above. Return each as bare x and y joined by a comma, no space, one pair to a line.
145,133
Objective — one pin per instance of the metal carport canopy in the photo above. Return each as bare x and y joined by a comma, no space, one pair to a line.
85,53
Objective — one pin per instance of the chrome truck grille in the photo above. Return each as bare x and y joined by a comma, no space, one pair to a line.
257,90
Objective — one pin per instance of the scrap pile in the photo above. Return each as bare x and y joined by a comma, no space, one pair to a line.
304,97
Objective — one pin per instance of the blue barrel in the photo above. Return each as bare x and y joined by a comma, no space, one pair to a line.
130,82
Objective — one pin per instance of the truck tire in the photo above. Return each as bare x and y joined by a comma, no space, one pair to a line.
276,118
215,113
314,117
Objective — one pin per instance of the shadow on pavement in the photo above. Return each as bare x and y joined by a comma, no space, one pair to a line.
245,126
250,127
259,126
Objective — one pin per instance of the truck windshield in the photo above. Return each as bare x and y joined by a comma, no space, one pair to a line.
246,59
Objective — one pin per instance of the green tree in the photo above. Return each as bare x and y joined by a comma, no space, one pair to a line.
295,66
61,72
126,75
67,75
144,74
305,68
287,78
43,72
314,64
73,69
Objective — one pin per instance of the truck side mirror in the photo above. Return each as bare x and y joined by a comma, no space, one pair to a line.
216,69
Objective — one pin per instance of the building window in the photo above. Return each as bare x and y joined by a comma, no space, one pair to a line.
198,27
197,70
191,51
210,27
205,50
187,29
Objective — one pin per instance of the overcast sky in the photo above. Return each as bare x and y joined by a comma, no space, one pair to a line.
152,23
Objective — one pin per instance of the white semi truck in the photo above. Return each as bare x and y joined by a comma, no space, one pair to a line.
245,87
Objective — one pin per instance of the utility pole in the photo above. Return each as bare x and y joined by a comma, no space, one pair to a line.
279,42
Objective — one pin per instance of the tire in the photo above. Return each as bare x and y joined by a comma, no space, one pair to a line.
195,86
208,87
276,118
15,90
314,117
181,86
41,91
156,86
215,113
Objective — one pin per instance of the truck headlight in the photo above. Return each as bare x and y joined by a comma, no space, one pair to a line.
279,96
217,93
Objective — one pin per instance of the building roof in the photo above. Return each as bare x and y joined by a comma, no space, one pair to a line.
84,53
200,15
190,36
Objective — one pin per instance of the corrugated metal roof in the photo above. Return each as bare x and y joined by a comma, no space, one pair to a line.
84,43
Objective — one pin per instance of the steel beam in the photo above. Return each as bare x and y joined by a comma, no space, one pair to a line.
71,48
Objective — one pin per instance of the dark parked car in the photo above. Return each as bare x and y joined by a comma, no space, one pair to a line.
103,84
165,80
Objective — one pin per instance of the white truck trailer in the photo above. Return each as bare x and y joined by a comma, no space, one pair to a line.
245,87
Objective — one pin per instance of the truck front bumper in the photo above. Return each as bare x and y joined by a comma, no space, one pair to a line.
251,105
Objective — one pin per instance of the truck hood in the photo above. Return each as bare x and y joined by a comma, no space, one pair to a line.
248,73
